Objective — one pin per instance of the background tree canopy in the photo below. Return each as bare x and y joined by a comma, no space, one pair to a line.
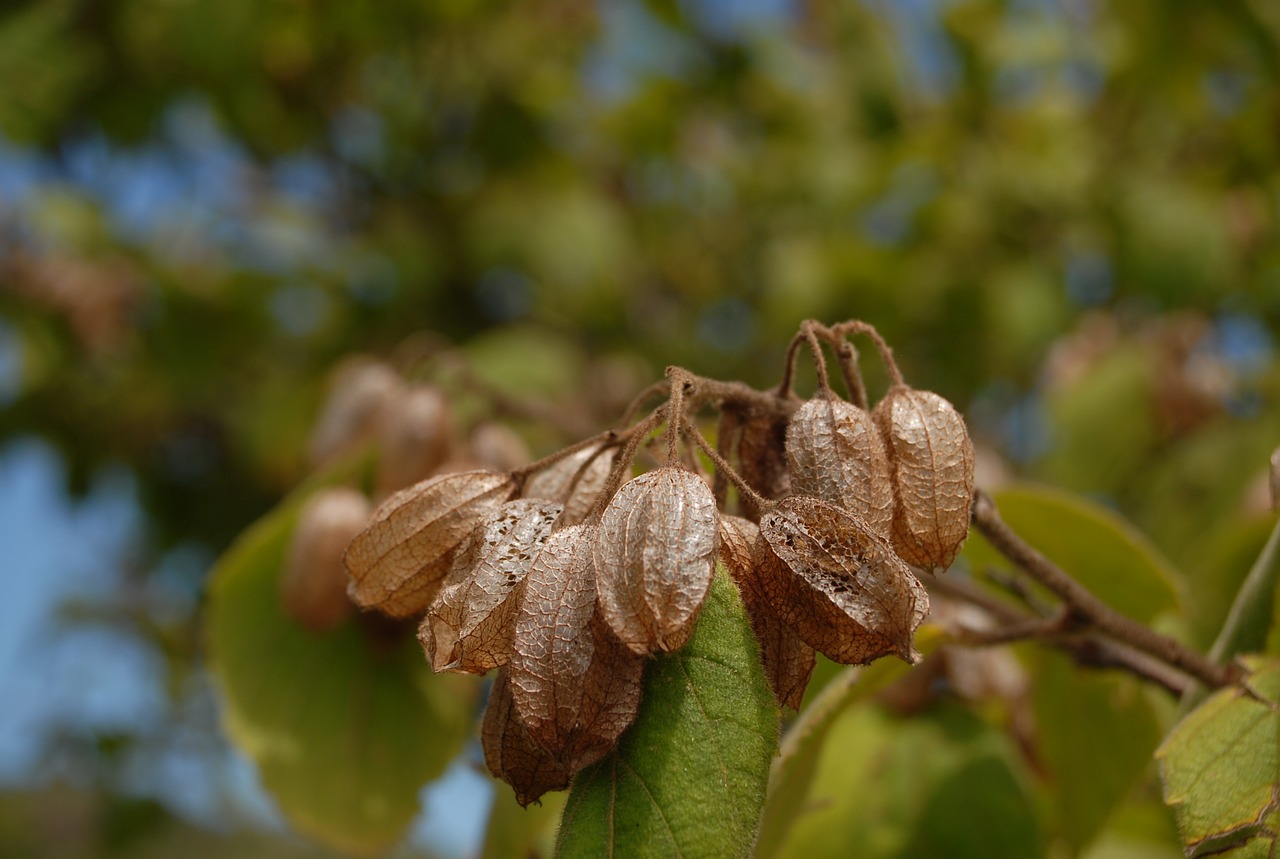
1065,215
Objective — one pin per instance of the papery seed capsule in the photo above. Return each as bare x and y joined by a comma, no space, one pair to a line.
313,588
841,587
499,447
416,437
762,456
553,647
470,624
510,751
359,399
655,556
574,481
835,453
610,697
788,661
398,562
931,460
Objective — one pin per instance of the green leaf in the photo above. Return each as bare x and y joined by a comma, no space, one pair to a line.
1221,766
345,726
940,784
1096,734
793,770
688,778
1092,544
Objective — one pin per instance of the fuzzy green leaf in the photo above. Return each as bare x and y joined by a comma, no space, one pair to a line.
345,726
1221,766
1092,544
688,778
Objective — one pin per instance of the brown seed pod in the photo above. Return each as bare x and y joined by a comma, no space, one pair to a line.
835,453
762,456
511,752
610,697
470,624
553,646
655,556
398,562
313,588
416,437
788,661
842,588
359,399
931,459
589,466
499,447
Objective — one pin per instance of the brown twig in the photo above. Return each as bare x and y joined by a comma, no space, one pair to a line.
1082,601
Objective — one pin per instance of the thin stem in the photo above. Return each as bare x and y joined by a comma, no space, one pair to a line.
848,358
727,430
783,391
679,380
987,519
638,401
635,437
723,465
857,326
604,439
809,328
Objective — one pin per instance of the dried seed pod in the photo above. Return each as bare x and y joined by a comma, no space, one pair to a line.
499,447
358,401
511,752
574,481
762,455
788,661
398,562
470,624
842,588
931,459
313,588
835,453
553,647
655,556
610,697
416,437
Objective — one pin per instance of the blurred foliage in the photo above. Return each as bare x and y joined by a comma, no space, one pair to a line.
1064,215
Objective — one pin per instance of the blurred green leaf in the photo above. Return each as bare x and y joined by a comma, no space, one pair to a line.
1221,767
942,784
689,777
1096,735
345,726
1094,545
525,832
791,776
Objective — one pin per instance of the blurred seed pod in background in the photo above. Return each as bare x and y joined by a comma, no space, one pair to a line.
313,587
361,396
416,437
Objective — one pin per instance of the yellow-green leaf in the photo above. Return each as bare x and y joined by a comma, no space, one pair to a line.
688,778
1221,766
345,726
1094,545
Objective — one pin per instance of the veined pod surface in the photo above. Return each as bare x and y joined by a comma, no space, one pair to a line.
574,481
835,453
931,460
398,562
510,751
470,624
313,588
788,661
654,558
841,587
762,457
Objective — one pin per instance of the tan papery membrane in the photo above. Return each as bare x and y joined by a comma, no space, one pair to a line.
510,751
313,588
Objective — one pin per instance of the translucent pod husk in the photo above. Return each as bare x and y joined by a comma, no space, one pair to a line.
835,453
654,558
510,751
415,438
574,481
931,462
762,457
788,661
470,624
398,562
313,588
841,587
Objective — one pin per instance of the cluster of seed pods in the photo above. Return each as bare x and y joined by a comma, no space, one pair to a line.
568,574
